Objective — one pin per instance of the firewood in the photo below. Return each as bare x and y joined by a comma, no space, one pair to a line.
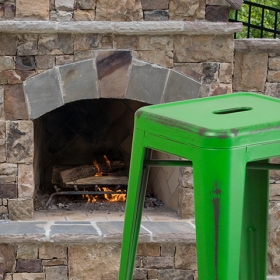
85,171
101,180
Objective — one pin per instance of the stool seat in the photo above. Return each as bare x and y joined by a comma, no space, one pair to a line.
220,136
219,122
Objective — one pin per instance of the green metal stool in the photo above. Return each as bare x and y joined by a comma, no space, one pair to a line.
228,140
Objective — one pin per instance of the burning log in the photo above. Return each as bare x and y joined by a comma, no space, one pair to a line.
101,180
84,171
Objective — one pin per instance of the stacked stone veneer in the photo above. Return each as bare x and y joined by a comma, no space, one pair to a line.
91,250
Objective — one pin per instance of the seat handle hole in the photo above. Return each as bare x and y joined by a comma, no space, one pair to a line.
232,110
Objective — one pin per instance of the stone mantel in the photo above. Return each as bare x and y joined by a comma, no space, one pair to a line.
257,45
127,28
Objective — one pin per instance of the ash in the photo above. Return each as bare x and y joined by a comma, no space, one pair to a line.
78,203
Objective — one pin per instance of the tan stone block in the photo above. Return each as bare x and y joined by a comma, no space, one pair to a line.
26,184
7,63
148,249
84,15
56,272
54,262
8,44
273,76
186,9
185,257
86,4
8,276
55,44
226,72
152,274
15,106
14,76
3,210
274,63
275,174
20,146
29,276
20,209
162,58
64,59
64,5
2,150
250,70
158,43
1,94
119,10
86,42
158,262
217,3
203,48
27,44
5,201
155,5
107,42
44,62
27,252
38,10
219,89
85,261
186,203
127,42
193,70
51,251
7,258
272,89
84,55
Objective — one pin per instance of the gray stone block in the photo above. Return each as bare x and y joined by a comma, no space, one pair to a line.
146,82
78,81
171,231
156,15
43,93
180,87
113,231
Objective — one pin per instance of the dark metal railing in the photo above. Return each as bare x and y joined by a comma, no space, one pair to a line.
251,24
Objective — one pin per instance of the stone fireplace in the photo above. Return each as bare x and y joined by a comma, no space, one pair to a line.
67,74
88,109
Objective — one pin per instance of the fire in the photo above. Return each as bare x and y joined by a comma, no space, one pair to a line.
114,197
98,173
107,161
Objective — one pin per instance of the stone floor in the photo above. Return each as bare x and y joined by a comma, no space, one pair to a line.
64,215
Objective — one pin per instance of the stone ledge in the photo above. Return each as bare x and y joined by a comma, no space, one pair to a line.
257,45
127,28
94,232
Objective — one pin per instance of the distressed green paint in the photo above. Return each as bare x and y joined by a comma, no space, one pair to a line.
220,136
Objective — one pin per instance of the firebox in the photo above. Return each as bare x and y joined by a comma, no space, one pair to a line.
85,149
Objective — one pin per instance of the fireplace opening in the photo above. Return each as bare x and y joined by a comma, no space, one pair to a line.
82,155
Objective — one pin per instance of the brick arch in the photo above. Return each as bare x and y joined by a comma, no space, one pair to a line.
111,74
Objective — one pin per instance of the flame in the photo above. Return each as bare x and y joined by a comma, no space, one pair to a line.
98,173
107,161
114,197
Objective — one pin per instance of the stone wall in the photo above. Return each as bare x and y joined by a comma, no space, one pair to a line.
50,261
108,10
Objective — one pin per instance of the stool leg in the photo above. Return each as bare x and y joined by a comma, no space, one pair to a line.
138,177
219,182
255,226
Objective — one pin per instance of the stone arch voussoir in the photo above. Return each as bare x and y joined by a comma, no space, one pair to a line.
111,74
